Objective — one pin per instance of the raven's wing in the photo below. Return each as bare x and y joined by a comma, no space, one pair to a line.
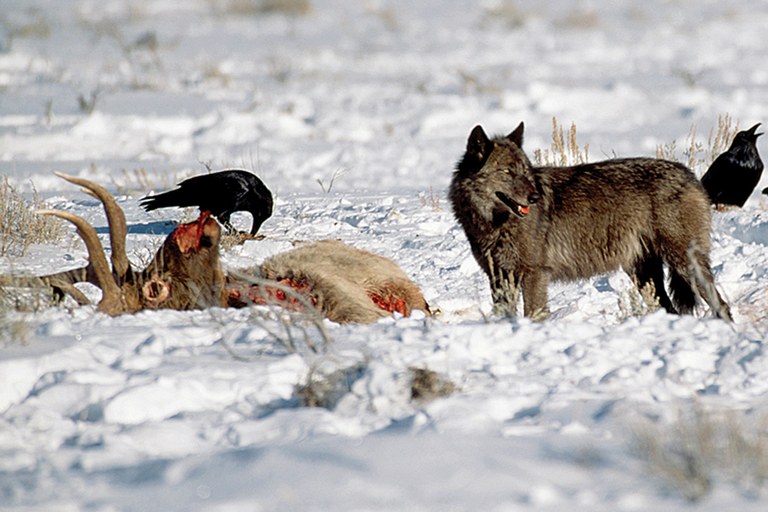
215,192
716,177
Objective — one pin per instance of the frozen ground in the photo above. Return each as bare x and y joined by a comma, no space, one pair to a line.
354,115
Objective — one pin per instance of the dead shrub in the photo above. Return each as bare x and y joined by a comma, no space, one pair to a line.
326,389
698,154
20,227
564,150
699,448
426,385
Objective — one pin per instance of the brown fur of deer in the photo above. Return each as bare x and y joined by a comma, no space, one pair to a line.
345,283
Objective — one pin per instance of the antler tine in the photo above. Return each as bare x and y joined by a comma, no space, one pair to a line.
111,302
115,220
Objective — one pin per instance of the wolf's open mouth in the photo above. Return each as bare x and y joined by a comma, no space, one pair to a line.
519,209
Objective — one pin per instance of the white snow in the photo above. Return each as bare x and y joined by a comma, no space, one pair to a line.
354,115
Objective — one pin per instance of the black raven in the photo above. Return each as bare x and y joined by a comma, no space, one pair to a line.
733,175
221,193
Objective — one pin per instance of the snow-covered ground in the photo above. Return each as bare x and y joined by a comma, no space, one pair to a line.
354,115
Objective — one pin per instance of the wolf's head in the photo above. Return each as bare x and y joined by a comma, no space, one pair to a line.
497,175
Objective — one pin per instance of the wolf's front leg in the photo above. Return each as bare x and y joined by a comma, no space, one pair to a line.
505,291
535,295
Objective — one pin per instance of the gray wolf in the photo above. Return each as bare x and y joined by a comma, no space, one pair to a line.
530,225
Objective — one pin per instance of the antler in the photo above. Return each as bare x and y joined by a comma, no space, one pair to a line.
185,272
115,219
111,302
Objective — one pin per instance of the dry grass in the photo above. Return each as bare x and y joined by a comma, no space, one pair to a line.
698,154
230,240
431,199
23,295
327,389
638,301
581,19
426,385
142,181
336,175
238,8
700,448
12,331
296,329
387,15
20,295
297,332
506,13
35,26
212,73
564,150
20,227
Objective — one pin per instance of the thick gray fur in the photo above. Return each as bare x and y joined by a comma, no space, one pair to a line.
530,225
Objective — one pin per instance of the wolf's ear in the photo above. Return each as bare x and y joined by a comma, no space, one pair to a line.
517,135
477,144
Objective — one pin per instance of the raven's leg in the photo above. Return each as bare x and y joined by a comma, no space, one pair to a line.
224,219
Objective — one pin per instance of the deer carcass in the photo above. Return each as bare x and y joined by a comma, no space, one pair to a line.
184,274
344,283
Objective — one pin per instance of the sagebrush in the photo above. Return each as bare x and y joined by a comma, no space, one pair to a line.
700,448
20,227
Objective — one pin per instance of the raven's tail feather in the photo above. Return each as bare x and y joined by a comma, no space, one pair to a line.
164,200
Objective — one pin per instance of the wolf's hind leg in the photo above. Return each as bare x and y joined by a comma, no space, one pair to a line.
649,272
683,296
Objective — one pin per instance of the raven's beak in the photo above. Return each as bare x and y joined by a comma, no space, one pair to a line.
751,131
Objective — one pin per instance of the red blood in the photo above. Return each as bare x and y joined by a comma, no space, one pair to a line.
266,294
390,302
187,236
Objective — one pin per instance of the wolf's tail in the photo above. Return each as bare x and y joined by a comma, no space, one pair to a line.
700,278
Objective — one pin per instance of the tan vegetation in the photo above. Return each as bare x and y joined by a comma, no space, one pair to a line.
506,13
698,154
20,227
326,389
427,385
699,448
638,301
564,150
258,7
142,180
